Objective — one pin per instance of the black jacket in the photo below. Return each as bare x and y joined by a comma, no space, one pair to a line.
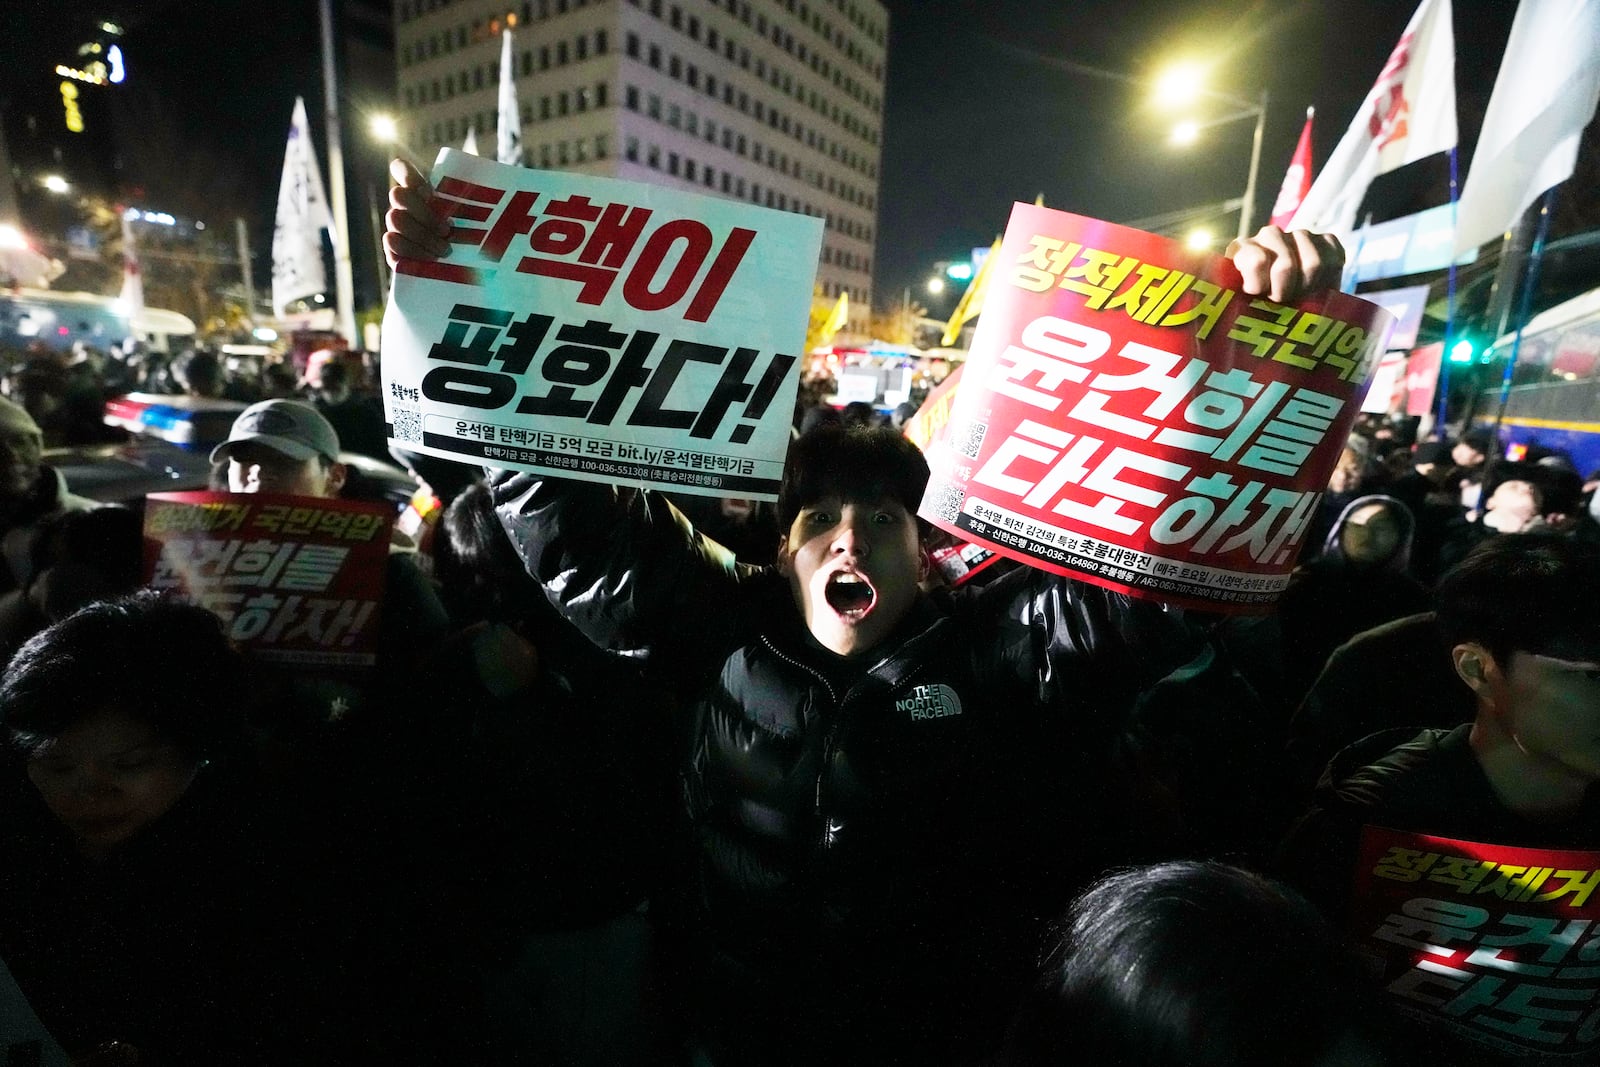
868,837
1425,783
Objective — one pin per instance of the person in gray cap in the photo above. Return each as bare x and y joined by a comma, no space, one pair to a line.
282,446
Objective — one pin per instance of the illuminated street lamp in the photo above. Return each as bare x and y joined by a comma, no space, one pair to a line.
1185,83
935,286
55,183
385,130
1179,85
1200,239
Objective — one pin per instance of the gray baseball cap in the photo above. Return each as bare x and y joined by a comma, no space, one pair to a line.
296,429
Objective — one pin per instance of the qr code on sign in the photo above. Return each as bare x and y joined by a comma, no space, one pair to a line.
407,425
947,500
967,438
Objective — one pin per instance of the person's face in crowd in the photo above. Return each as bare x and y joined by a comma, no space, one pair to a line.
1371,534
255,468
21,448
1346,473
853,567
109,776
1465,455
1512,506
1550,708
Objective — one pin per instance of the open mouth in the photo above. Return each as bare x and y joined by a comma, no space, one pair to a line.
851,595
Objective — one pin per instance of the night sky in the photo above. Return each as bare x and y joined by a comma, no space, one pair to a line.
988,101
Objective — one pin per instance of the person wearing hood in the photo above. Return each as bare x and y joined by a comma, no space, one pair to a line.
1359,581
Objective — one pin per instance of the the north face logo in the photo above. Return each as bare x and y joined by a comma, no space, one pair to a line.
930,702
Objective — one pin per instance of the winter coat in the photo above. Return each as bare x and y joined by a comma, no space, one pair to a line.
869,840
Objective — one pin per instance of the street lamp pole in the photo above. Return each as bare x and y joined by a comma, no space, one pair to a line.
1247,210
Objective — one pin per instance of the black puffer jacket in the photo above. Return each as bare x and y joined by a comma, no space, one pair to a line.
869,838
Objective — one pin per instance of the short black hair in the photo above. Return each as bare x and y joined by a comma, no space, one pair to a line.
858,463
1190,964
164,662
1528,592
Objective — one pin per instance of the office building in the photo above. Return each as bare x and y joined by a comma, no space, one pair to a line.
773,102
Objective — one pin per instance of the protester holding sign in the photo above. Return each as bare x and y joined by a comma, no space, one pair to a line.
291,551
1466,858
881,787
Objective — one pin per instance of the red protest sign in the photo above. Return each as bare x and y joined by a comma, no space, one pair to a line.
934,414
1130,418
295,579
960,561
1499,944
1422,377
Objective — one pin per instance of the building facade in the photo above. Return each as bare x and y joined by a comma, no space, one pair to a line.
774,102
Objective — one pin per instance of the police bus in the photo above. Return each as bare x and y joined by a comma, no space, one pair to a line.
58,320
1554,402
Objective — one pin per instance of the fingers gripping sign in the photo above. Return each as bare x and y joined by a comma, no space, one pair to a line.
412,228
1281,266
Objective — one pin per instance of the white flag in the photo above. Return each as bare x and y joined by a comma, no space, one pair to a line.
470,145
1545,94
1408,114
303,213
508,142
132,296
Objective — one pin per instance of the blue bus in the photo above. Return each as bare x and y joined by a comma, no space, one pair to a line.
1554,402
59,319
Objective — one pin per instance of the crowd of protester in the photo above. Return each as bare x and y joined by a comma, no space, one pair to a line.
622,790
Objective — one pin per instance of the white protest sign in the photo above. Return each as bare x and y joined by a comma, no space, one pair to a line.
601,329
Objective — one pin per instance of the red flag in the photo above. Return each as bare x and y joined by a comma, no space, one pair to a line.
1297,182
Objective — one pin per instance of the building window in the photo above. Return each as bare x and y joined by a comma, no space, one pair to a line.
653,106
632,46
630,98
652,158
655,57
630,150
600,94
600,146
689,169
600,43
582,45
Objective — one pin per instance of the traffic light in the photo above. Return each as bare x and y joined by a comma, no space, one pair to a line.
1462,351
